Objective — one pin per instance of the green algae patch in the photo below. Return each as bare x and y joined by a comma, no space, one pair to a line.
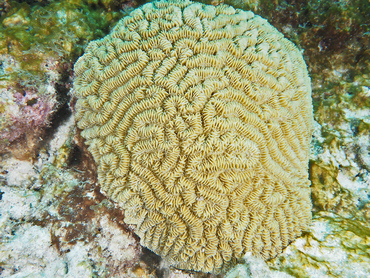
33,33
348,239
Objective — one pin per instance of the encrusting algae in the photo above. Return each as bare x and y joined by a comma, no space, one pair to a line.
199,119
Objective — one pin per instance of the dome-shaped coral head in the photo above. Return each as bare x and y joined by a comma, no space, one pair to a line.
199,119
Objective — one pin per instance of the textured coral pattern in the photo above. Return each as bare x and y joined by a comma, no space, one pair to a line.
199,119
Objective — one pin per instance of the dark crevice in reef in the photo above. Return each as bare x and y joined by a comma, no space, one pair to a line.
63,112
152,261
75,156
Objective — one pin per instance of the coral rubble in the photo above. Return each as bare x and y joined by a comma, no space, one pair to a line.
54,225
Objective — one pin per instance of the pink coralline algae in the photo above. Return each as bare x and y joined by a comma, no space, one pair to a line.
26,114
27,103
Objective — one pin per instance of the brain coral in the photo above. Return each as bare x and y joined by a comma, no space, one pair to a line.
199,119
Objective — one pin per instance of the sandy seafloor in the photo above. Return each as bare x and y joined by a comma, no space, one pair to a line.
55,222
